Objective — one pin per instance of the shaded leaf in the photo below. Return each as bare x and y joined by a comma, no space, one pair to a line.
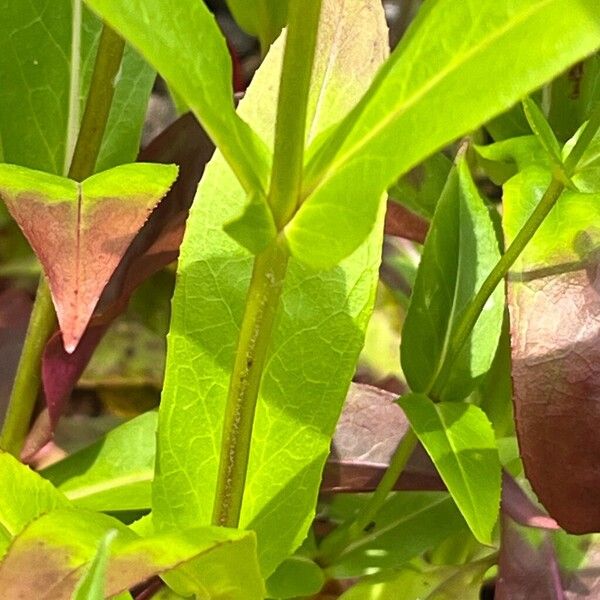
407,525
296,576
80,232
113,474
460,440
460,251
184,44
402,119
263,19
319,328
421,581
422,186
212,561
517,505
48,57
555,324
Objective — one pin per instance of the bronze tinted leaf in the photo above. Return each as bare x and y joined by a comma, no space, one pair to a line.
80,232
554,300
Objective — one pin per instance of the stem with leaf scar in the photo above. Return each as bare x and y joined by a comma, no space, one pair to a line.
42,322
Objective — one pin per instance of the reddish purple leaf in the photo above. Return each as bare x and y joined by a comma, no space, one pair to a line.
554,301
527,568
155,246
15,306
401,222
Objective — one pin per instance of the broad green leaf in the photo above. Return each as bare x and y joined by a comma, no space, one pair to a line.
91,586
80,231
113,474
263,19
421,581
420,188
183,42
404,116
317,336
407,525
460,251
460,440
210,562
542,130
25,496
294,577
47,54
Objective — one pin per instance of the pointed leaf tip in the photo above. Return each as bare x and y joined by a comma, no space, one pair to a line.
80,232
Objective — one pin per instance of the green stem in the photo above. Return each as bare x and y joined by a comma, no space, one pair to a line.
269,266
261,307
28,377
338,541
43,318
471,314
97,108
290,129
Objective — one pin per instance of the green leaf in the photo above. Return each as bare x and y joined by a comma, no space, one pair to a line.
113,474
91,585
587,174
48,55
25,496
403,118
460,251
183,42
542,130
502,160
460,440
294,577
263,19
317,337
210,562
420,189
80,231
407,525
421,581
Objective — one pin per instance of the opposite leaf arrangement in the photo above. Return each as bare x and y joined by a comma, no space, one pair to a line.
221,493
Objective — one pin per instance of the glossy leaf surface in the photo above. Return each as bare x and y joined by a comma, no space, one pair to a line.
403,117
47,54
460,251
318,331
80,232
460,440
183,42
